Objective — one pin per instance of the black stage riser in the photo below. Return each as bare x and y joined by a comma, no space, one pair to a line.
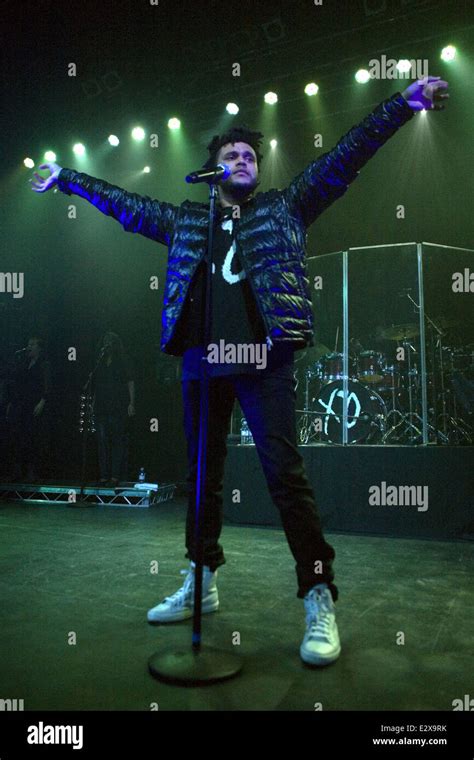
342,476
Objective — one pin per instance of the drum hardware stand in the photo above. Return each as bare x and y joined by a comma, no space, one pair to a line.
306,434
306,423
411,413
456,423
440,436
394,412
437,344
458,428
407,418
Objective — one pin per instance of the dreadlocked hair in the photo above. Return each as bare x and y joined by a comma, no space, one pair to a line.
234,135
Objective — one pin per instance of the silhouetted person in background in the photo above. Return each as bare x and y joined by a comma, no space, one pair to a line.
28,411
113,402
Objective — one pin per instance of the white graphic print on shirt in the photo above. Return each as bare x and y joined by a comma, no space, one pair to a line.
226,269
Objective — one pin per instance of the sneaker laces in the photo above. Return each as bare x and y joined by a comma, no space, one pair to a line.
319,614
186,588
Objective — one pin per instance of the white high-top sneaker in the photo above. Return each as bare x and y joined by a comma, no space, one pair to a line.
180,605
321,643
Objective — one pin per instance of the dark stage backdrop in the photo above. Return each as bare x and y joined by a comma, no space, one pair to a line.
139,64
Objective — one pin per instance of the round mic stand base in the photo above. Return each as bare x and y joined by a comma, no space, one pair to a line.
194,667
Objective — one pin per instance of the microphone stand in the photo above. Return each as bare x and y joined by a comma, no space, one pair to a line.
199,665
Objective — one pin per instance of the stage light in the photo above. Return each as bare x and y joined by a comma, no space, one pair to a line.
50,155
232,108
146,170
271,98
403,66
29,163
448,53
362,76
113,140
79,149
273,143
138,133
174,123
311,89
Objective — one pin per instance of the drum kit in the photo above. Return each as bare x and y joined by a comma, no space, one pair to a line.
384,404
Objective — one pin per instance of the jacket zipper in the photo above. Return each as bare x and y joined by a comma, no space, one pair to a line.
268,340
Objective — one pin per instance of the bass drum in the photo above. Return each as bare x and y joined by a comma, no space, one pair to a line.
366,413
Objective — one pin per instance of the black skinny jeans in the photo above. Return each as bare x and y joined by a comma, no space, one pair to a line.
268,403
112,444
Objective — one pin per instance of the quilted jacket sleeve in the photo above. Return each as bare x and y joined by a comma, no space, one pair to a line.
327,178
136,213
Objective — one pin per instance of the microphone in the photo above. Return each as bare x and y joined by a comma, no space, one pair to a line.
221,171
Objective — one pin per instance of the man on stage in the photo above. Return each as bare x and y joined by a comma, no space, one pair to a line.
261,296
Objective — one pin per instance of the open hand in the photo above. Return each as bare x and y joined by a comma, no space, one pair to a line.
46,183
426,94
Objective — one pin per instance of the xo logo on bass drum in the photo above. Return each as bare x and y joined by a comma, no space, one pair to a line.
366,413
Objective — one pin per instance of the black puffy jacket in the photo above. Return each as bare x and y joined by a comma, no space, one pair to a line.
271,233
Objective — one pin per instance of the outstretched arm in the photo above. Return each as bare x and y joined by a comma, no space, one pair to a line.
327,178
136,213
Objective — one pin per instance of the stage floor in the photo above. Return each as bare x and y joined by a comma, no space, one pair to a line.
86,571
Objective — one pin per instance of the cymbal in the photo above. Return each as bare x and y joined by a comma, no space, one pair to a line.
445,322
398,332
312,353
